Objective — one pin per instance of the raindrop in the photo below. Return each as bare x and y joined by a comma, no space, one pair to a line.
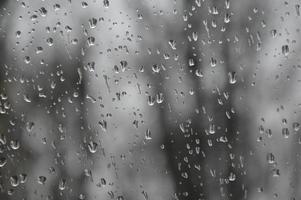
82,197
91,41
23,178
18,34
27,59
172,44
212,128
232,177
156,68
39,50
120,198
285,50
42,180
150,100
195,36
56,7
29,126
92,22
297,6
148,135
276,172
274,33
14,181
43,12
191,62
296,126
123,65
62,184
285,132
270,158
15,144
49,41
103,125
92,147
227,18
103,181
84,4
213,62
3,161
232,77
159,97
106,3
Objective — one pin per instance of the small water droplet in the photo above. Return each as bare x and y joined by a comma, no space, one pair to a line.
27,59
91,41
49,41
15,144
93,22
62,184
232,177
23,178
285,50
148,134
3,161
213,62
42,180
123,65
296,126
285,132
172,44
191,62
106,3
270,158
14,181
232,77
92,147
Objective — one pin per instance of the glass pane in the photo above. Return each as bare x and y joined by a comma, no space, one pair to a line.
150,99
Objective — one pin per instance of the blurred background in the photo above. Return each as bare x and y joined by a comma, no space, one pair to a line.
150,99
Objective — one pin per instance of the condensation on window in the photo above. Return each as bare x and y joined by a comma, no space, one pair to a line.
150,99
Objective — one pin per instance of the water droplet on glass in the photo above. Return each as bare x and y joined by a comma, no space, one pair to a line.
43,12
296,126
297,7
15,144
159,97
285,50
106,3
42,180
232,177
285,132
92,147
156,68
213,62
274,33
195,36
23,178
49,42
91,41
18,34
14,181
123,65
270,158
191,62
172,44
62,184
3,161
93,22
148,134
212,128
232,77
227,18
27,59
